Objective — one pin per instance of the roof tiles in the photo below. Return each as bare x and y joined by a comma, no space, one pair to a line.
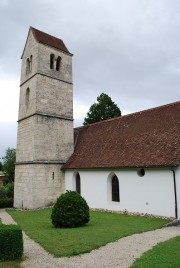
49,40
150,138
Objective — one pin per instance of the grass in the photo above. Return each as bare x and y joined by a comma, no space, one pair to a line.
103,228
164,255
10,264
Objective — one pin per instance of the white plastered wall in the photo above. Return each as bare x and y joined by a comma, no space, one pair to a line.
177,176
153,193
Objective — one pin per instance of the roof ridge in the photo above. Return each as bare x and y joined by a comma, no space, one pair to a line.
128,115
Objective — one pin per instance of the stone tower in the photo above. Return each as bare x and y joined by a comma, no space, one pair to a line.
45,122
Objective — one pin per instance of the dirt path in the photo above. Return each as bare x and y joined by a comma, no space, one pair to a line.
120,254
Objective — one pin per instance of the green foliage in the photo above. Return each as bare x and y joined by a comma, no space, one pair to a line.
9,165
6,195
7,190
11,242
70,210
6,202
163,255
103,228
10,189
3,192
104,109
1,166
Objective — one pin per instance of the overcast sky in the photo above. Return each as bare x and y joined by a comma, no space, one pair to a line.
129,49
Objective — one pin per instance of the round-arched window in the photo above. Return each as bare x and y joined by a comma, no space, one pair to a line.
115,189
78,183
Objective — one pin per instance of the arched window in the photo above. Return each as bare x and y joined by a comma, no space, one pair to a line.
78,183
52,61
27,66
58,63
115,189
27,96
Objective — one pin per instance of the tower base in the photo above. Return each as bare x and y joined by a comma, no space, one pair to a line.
37,185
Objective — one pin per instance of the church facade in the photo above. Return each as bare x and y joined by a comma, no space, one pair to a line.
130,163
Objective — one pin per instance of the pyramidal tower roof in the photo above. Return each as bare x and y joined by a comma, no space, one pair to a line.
48,40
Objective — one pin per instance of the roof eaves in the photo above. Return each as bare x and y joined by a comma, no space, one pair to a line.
122,167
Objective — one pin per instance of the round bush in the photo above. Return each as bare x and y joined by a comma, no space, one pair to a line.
70,210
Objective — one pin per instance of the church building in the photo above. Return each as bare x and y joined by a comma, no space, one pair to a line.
129,163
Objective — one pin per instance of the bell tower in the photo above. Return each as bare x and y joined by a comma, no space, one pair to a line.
45,121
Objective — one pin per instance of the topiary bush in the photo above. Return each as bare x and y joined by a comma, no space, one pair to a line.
11,242
70,210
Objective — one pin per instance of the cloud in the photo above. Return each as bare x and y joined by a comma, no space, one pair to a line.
8,137
129,49
9,89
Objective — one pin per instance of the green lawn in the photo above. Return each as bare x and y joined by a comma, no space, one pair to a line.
102,228
164,255
10,264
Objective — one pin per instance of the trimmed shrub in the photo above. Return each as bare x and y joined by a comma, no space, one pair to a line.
70,210
11,242
6,202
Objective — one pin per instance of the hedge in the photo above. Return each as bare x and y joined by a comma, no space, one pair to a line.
6,202
11,242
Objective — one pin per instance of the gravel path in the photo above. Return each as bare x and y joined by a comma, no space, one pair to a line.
120,254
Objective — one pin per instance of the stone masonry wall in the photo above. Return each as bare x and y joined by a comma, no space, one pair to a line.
54,97
43,138
37,185
25,140
53,139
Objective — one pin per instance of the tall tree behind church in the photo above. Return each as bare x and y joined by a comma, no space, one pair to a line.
104,109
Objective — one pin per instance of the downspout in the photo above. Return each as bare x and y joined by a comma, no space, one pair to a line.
175,193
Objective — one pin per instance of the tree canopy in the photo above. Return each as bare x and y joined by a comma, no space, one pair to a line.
1,166
9,164
104,109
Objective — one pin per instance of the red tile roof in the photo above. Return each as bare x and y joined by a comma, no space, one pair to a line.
149,138
49,40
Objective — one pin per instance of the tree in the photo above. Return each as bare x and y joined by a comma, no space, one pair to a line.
104,109
1,166
9,165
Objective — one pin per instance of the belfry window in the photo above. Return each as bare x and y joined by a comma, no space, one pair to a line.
27,66
52,61
78,183
115,189
27,96
58,63
30,66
